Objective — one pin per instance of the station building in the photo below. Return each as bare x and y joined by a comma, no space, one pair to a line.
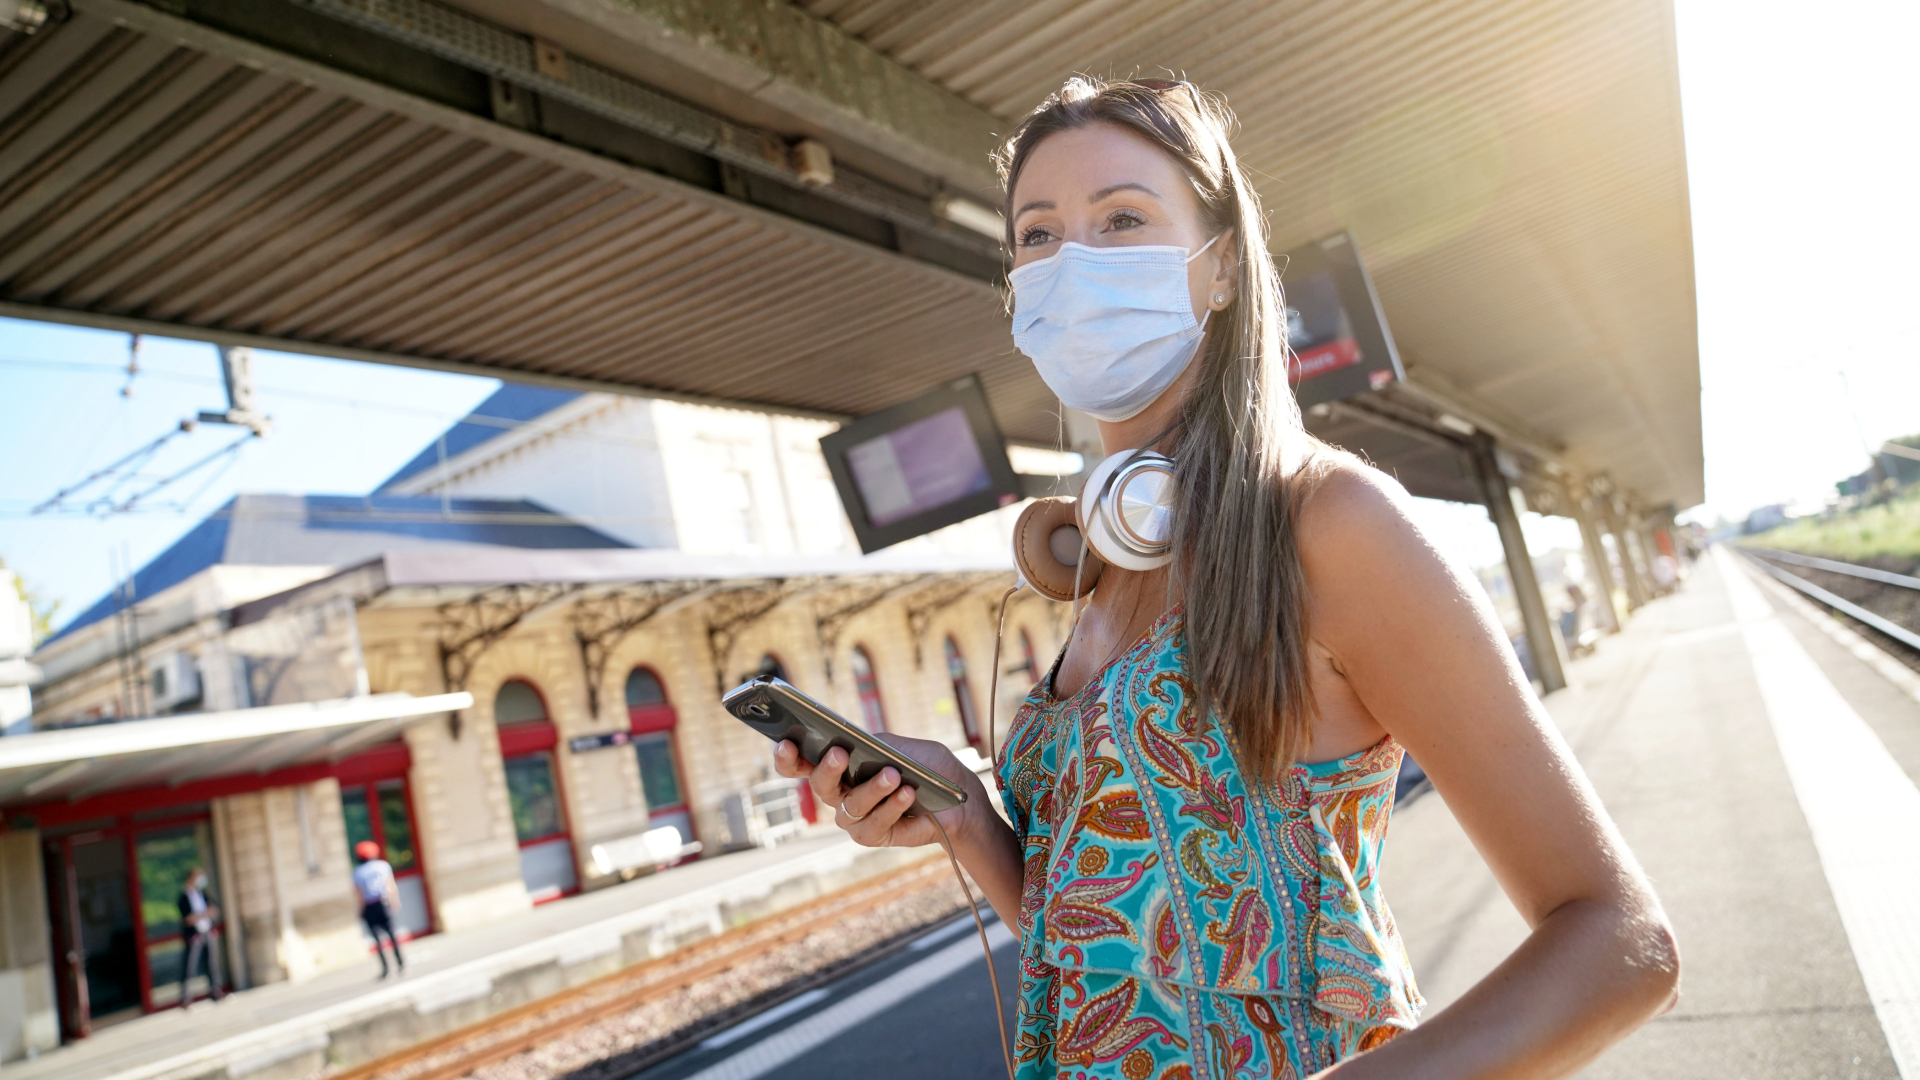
716,200
708,546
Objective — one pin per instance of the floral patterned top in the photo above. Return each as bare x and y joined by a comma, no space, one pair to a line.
1175,925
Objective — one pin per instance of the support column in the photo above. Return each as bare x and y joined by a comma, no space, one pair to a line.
1636,583
1526,587
1582,502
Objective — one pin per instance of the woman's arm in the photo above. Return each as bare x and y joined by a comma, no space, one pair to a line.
875,814
1421,648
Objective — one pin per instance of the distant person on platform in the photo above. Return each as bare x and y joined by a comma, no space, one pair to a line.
1570,619
379,901
197,915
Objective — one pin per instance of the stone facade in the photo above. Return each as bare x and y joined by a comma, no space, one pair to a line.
711,483
459,793
28,1024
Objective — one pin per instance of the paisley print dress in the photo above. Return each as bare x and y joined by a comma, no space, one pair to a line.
1175,925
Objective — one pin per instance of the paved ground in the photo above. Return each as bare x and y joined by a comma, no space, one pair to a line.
923,1012
1668,720
134,1044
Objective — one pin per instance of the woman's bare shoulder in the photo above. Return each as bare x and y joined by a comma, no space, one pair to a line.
1348,503
1359,542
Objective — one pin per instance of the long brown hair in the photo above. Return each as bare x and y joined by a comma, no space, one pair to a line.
1242,460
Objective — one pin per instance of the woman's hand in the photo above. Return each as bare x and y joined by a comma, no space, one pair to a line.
875,814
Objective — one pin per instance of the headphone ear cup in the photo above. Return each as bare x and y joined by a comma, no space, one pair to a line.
1042,560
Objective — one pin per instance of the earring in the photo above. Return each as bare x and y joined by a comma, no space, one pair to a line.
1219,299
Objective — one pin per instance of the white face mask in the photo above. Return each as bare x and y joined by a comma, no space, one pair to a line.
1109,328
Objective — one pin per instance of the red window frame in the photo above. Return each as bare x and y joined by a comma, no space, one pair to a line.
658,717
528,737
126,832
962,692
369,781
118,811
866,684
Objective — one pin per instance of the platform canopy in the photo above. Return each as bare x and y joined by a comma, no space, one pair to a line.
180,751
606,193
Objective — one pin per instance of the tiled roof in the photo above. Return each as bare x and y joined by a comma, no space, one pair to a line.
341,530
512,404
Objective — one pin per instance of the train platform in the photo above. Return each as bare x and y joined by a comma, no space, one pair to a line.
345,1016
1761,759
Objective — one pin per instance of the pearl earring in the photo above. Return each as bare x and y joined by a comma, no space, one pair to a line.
1219,299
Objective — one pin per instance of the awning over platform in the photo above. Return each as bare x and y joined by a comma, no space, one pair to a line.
1513,172
174,751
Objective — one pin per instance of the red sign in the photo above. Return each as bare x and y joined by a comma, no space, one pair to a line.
1320,359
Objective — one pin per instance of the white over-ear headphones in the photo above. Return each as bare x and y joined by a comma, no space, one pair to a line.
1124,516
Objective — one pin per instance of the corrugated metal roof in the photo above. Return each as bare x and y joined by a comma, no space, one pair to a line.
143,178
1513,171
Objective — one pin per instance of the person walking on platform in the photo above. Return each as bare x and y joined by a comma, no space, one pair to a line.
379,901
197,915
1197,792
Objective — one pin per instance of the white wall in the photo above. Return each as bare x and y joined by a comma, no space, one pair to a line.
595,459
705,479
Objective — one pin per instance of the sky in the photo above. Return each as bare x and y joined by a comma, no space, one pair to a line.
1803,159
1803,136
340,427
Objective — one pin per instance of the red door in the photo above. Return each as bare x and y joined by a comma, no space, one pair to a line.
377,804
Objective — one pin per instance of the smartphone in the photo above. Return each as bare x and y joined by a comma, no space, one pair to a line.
774,709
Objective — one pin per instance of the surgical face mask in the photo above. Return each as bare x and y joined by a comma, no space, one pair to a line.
1109,328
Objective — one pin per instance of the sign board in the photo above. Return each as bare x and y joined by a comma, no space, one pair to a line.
921,465
1335,329
580,744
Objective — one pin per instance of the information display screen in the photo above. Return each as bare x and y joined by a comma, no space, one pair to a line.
921,465
1338,336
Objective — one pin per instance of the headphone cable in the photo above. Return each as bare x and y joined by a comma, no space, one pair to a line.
993,689
993,977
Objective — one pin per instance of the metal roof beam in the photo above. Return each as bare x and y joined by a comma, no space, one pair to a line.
743,56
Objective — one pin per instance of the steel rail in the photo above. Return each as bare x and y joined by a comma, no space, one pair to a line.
475,1046
1846,607
1866,572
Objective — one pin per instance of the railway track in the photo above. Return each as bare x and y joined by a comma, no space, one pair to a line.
1886,581
463,1051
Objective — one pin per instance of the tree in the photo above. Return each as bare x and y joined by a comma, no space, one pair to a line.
42,607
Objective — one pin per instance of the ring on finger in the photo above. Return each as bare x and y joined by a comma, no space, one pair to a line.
850,815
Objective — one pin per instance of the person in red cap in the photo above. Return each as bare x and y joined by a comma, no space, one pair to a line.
379,900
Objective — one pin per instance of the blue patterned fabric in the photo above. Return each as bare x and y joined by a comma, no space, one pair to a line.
1173,925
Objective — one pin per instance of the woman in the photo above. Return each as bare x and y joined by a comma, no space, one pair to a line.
1199,789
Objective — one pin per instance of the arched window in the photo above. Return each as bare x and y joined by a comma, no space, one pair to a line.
518,703
962,695
872,713
1029,663
528,743
652,720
